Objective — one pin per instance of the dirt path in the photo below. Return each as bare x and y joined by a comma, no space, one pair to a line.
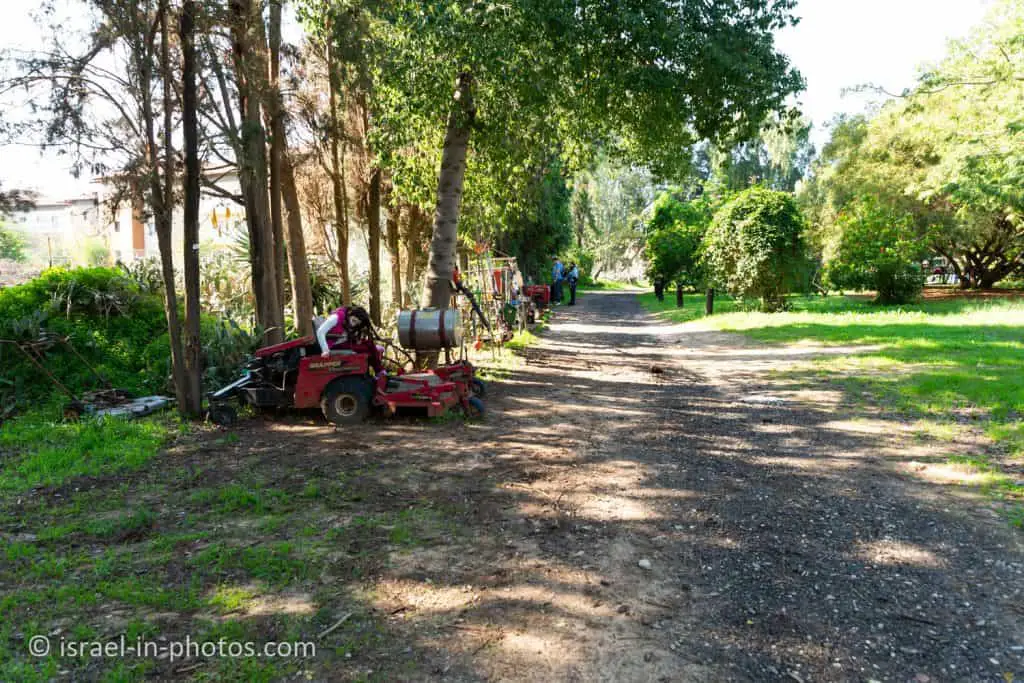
645,503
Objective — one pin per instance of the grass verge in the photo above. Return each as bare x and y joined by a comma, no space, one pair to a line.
606,286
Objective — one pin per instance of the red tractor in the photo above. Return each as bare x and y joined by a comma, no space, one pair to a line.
348,385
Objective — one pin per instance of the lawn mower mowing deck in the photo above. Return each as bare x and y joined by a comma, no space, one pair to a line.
349,384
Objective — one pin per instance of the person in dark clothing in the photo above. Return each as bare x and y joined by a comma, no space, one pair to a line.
573,276
557,277
659,287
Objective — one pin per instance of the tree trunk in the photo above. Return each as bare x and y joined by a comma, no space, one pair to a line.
253,169
162,205
337,181
298,262
190,133
373,232
395,256
709,301
275,111
437,288
410,273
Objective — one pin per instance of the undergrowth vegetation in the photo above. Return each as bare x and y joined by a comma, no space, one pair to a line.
115,320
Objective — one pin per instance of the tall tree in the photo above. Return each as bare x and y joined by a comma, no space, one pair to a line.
190,133
337,171
274,111
250,66
394,253
441,264
373,239
948,153
282,185
651,80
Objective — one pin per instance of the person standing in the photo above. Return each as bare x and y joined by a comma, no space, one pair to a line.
557,275
573,277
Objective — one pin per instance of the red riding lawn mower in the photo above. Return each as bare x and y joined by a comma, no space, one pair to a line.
363,375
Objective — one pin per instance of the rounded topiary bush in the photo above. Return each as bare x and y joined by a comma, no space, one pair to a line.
755,247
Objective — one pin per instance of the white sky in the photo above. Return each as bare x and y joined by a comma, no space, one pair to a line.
844,43
838,44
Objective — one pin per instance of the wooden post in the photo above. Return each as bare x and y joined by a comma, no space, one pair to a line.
709,301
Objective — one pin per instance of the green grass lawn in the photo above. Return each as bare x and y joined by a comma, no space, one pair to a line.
940,361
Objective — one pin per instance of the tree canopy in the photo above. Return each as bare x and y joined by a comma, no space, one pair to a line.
949,153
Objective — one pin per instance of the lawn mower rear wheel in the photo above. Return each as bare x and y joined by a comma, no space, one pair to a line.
347,401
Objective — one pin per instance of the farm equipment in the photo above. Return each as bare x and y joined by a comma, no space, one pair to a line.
104,400
352,382
540,298
493,286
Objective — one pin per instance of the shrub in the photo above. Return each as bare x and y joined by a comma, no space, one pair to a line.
876,249
755,247
12,245
105,316
674,240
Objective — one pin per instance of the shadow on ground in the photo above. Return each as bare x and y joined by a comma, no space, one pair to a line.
641,503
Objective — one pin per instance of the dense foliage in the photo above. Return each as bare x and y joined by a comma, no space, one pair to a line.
543,226
755,247
116,324
877,250
950,154
675,235
12,244
609,204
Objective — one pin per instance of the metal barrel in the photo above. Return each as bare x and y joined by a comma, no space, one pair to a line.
430,329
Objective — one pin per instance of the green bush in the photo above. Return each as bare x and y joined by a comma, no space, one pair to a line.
876,249
12,244
584,260
118,328
755,247
675,235
105,316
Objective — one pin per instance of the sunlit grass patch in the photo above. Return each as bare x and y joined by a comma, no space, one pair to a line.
604,286
934,359
45,452
227,599
693,305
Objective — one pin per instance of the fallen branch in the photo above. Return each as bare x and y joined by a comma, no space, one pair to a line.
334,627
